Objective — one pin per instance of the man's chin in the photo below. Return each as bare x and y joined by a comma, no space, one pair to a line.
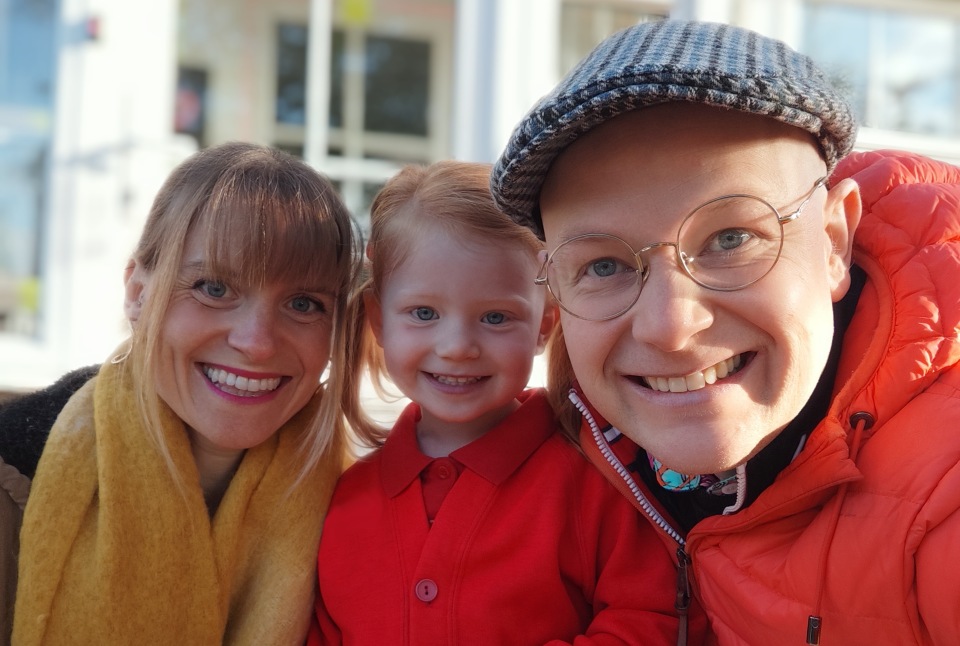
709,457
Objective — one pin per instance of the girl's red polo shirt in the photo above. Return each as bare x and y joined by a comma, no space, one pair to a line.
531,545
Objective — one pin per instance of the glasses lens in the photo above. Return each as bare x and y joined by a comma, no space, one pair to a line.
594,276
731,242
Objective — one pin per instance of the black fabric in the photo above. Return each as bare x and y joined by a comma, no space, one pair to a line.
690,507
25,422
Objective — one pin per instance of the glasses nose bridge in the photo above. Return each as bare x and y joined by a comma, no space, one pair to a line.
645,266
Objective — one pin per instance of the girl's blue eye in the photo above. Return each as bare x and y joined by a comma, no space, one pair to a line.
425,313
494,318
214,289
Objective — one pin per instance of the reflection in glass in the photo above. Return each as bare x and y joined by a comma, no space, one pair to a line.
397,86
899,71
292,74
27,82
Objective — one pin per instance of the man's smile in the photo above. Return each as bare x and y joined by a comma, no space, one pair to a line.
699,378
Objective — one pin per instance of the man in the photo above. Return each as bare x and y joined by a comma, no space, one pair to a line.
780,359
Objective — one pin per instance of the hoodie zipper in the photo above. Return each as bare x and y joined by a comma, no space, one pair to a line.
682,603
621,470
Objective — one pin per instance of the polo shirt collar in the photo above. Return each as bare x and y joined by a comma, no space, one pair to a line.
495,456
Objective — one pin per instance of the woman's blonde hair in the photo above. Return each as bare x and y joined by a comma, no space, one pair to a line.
262,215
452,195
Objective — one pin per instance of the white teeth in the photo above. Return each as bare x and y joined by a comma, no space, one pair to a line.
455,381
695,380
722,370
710,375
250,386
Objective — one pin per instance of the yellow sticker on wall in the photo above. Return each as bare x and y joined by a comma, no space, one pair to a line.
357,12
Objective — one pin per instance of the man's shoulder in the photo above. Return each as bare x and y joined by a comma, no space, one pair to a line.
25,422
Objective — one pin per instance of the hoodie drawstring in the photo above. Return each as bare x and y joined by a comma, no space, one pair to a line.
860,422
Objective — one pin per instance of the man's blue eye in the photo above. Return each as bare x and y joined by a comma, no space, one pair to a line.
494,318
604,267
425,313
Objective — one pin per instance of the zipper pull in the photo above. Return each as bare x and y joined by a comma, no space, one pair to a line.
682,604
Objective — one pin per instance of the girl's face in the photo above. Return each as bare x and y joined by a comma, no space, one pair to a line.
459,324
236,361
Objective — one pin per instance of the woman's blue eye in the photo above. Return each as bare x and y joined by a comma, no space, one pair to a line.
304,304
214,289
494,318
425,313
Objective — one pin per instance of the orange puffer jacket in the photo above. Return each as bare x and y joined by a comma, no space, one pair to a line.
862,528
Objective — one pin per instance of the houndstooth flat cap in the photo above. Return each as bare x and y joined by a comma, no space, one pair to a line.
657,62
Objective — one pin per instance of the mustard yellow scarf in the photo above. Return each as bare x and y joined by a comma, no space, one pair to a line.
113,552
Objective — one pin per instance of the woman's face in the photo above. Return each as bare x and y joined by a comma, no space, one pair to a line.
236,361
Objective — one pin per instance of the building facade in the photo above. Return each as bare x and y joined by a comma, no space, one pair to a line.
100,99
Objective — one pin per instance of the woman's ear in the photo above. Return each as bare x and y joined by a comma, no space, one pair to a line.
841,215
135,283
374,315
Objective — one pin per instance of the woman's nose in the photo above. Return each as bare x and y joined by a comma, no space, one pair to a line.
254,332
672,308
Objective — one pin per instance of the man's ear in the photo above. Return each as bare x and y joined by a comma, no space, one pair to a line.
841,215
374,315
549,321
135,281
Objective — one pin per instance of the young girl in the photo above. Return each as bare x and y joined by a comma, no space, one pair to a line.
476,521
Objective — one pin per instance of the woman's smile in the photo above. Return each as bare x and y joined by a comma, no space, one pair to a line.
241,383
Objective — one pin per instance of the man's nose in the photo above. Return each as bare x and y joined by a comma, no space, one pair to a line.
672,308
254,332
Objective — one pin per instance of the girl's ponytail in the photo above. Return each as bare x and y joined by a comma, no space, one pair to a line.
363,356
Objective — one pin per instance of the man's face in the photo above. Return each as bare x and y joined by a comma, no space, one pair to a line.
637,177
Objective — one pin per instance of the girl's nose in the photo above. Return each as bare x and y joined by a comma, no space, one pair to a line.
672,309
456,342
253,332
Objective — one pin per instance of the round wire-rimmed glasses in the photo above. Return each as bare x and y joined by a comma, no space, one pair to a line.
725,244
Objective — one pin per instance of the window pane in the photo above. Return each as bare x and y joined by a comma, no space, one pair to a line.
898,70
191,99
338,61
27,81
396,86
291,74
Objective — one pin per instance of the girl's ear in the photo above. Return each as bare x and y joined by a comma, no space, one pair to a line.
547,324
374,315
136,282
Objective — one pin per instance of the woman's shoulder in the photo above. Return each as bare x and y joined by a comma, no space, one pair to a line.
25,422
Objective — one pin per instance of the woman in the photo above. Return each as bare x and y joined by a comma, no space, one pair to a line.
181,492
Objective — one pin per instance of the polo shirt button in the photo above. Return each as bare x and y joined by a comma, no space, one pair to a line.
426,590
443,471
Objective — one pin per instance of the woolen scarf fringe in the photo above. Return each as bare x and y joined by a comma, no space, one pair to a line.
113,552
